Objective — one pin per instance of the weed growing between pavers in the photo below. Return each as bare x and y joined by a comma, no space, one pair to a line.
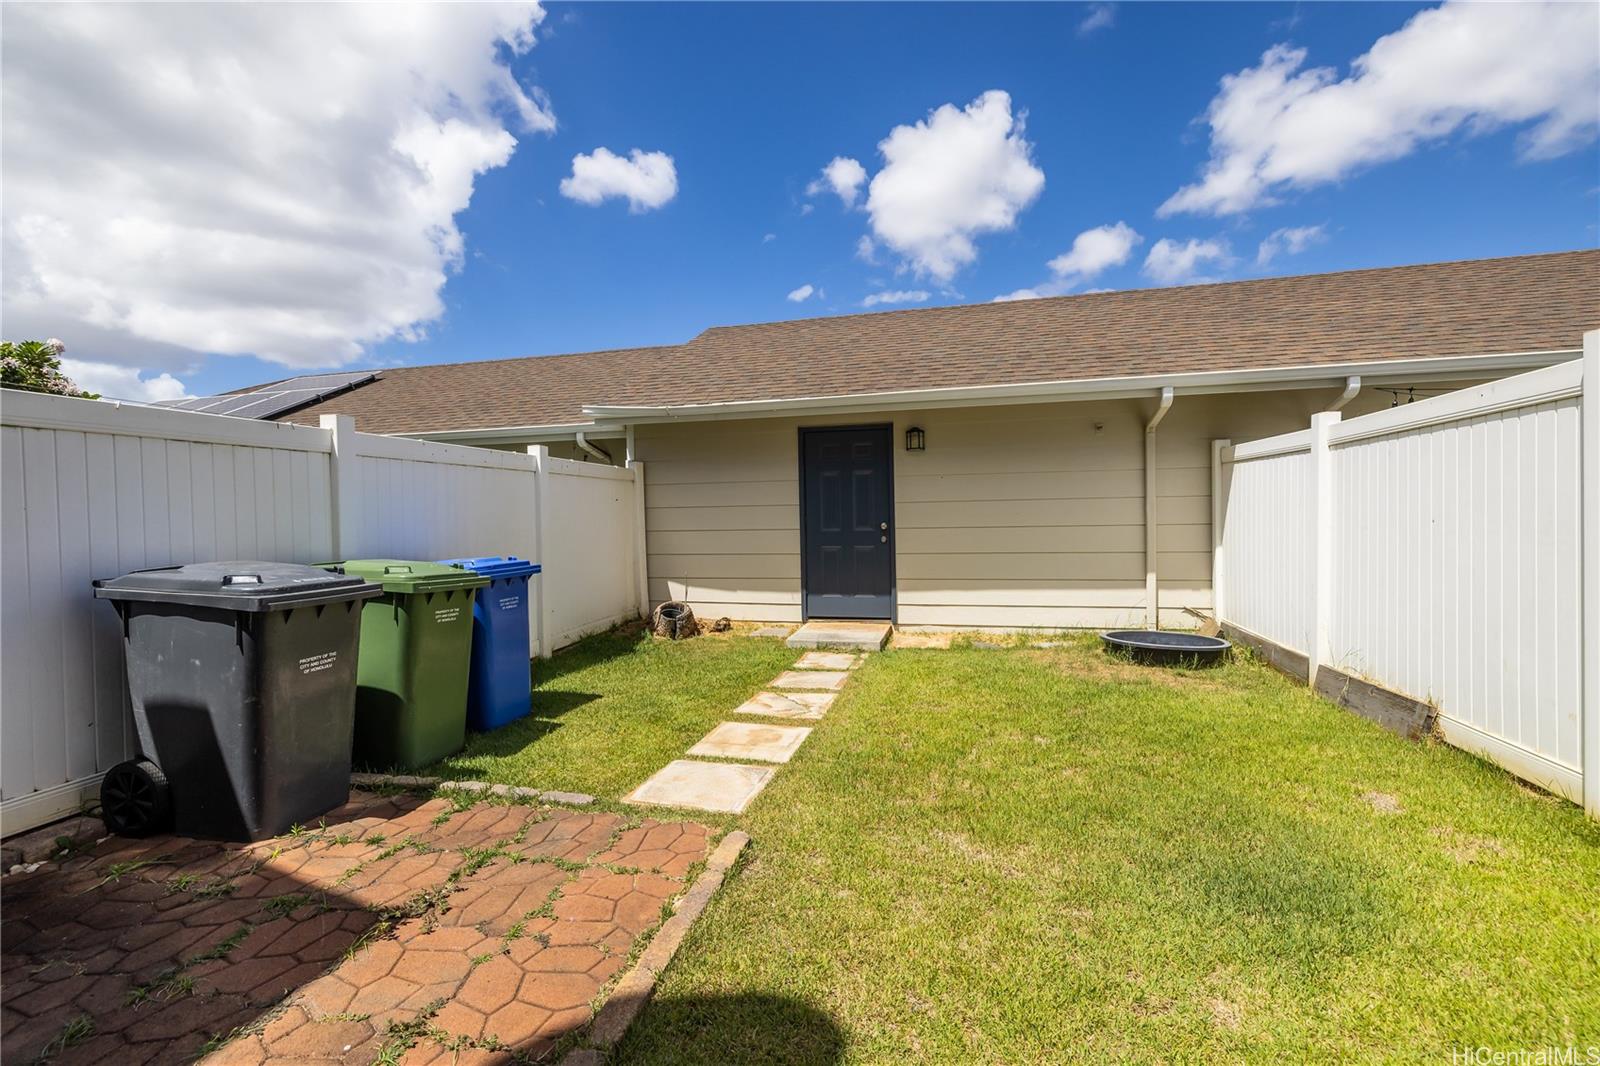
286,882
76,1031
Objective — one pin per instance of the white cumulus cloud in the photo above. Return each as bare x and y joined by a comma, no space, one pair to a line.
1173,263
226,178
957,174
1290,240
1470,67
1093,252
1098,17
122,382
647,180
897,296
843,177
801,295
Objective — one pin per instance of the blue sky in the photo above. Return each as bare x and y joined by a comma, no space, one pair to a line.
751,101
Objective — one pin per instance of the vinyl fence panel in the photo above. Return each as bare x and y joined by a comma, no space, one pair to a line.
91,490
1266,539
591,581
94,489
1457,534
1460,558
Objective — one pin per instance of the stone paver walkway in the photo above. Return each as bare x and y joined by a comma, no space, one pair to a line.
814,680
827,660
400,928
810,688
726,788
805,706
751,740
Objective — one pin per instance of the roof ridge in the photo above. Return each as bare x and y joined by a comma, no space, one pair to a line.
381,370
1209,285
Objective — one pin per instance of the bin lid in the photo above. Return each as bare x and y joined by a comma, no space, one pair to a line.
495,566
412,575
238,585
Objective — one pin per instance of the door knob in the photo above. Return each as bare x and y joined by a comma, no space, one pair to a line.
883,525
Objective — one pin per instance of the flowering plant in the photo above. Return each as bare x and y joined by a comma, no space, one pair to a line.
36,366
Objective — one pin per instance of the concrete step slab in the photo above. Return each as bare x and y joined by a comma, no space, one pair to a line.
848,636
815,680
828,660
801,706
752,740
727,788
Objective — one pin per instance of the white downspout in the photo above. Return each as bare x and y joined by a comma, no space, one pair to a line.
585,446
1352,385
1152,610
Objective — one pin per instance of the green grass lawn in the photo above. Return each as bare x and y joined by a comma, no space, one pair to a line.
615,708
1034,855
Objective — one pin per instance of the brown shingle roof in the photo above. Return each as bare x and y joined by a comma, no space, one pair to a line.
1479,307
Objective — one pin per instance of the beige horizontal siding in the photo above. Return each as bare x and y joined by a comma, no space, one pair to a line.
732,590
726,542
750,516
1013,517
727,494
987,540
693,568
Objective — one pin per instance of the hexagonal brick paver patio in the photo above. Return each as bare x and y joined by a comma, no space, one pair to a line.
399,925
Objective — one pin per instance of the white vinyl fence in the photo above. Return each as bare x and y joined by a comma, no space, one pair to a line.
94,490
1447,550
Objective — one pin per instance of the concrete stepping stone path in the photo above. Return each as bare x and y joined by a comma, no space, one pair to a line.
813,680
752,740
828,660
810,687
726,788
802,706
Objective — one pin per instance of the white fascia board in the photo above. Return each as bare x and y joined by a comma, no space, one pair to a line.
520,434
1332,375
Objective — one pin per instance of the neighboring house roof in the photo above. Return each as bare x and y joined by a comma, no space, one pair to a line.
1489,306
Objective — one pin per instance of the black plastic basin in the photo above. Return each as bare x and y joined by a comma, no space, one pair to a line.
1159,646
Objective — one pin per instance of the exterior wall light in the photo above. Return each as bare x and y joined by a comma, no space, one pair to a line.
916,440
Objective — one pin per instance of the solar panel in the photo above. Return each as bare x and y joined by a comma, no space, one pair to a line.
273,399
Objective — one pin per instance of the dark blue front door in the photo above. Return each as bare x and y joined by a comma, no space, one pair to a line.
846,520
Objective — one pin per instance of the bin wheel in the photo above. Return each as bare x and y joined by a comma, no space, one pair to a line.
135,799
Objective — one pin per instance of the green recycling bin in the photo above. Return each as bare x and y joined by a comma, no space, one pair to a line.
411,674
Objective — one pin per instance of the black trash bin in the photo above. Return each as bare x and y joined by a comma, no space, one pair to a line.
242,677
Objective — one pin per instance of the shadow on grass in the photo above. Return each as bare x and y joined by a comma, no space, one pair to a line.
513,737
616,643
748,1027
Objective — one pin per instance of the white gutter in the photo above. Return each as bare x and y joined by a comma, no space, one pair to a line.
1152,609
612,421
584,445
1351,387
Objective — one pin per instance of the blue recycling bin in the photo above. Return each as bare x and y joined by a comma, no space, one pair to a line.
501,676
